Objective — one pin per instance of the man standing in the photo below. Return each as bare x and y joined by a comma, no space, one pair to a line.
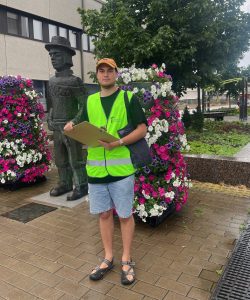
109,167
66,94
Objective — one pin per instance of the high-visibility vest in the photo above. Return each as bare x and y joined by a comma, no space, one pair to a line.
102,162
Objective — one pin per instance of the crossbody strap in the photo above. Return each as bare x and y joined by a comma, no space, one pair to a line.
127,107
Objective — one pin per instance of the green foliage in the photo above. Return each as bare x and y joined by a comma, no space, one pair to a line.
197,119
243,227
196,38
186,118
198,212
219,272
246,72
219,138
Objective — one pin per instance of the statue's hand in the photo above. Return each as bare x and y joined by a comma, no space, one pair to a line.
68,126
49,120
50,125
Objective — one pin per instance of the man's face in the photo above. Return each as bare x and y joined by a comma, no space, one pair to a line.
106,76
57,58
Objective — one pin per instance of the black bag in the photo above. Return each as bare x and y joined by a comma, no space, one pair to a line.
139,151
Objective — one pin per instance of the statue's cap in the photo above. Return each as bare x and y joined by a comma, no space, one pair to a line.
106,61
60,42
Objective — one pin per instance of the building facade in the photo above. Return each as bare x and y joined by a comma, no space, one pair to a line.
25,27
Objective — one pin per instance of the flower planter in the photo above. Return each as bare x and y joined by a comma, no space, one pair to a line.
24,153
166,179
19,184
156,221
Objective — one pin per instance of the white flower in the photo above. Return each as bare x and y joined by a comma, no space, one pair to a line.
176,183
145,195
170,195
2,180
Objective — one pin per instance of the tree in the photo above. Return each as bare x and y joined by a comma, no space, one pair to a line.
232,82
186,118
195,38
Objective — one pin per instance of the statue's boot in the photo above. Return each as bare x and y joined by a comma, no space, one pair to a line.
78,193
59,190
65,182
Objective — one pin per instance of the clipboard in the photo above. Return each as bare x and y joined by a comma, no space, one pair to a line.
88,134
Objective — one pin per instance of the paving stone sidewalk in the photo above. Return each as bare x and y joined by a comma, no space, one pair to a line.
51,256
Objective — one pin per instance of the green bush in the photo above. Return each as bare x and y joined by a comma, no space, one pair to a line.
219,138
197,119
186,118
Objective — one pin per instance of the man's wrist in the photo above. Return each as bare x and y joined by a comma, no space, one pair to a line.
121,142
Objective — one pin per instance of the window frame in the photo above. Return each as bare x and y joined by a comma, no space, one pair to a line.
45,26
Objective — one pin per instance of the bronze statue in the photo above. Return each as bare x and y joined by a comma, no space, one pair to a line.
66,95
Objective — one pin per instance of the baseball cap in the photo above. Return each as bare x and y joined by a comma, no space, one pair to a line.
107,61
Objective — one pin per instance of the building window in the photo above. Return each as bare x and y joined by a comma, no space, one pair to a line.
63,32
85,42
24,26
12,23
38,30
52,31
39,87
72,38
91,44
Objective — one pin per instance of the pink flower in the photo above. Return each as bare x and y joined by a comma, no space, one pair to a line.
168,176
154,66
161,191
168,200
164,156
173,128
178,206
142,200
142,178
136,187
158,114
162,149
151,177
29,82
154,194
161,74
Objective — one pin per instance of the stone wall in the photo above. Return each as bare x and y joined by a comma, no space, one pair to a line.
217,169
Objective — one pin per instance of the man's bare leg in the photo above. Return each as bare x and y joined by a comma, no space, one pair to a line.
127,230
106,224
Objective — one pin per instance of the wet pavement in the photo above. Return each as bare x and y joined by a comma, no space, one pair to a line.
50,256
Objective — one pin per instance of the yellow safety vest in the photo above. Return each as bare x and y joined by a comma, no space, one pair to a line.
102,162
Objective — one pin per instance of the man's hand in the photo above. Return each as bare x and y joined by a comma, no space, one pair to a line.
109,146
68,126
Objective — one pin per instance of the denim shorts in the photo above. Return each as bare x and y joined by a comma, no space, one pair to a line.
118,195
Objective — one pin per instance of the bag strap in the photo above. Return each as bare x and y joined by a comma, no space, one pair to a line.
127,107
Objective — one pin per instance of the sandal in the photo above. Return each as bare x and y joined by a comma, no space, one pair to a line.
100,272
130,271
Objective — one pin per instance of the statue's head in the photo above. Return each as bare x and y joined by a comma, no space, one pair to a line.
61,53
